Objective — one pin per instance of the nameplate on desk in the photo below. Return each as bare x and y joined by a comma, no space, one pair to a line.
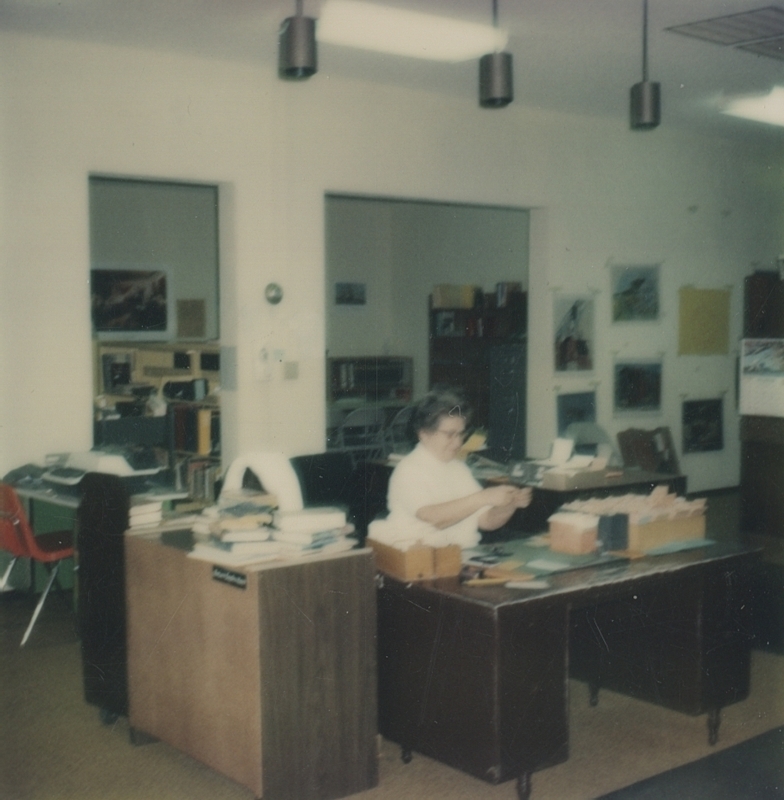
237,579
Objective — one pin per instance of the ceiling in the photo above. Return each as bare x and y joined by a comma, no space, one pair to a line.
570,55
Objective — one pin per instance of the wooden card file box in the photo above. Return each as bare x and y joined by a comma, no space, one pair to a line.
420,562
661,532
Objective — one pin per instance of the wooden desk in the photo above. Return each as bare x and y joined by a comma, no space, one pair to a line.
272,683
477,677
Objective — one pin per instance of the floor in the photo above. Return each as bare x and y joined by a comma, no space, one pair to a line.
54,745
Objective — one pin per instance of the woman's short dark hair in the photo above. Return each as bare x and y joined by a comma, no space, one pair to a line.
439,403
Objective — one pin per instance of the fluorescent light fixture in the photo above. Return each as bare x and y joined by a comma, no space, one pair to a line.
368,26
759,107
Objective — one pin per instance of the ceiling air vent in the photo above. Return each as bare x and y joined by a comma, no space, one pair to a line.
760,31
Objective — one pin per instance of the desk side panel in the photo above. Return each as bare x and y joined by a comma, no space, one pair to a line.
645,642
438,677
193,660
318,666
533,680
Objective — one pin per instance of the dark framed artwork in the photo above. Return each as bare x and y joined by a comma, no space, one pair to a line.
350,294
703,426
637,386
635,293
131,303
573,333
575,407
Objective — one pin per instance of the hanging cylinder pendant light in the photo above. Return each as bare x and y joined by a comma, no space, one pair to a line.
495,75
645,99
297,46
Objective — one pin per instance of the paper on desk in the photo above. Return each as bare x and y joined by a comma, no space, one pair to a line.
560,453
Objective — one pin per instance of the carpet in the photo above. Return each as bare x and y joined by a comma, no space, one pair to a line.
751,770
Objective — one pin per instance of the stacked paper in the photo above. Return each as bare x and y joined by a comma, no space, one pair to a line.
144,511
321,529
237,530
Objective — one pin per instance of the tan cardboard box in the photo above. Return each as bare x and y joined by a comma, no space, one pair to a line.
420,562
575,541
656,534
447,561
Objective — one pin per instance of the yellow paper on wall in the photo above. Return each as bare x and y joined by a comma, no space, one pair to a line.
704,321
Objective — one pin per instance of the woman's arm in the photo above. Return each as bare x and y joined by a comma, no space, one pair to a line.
497,516
503,499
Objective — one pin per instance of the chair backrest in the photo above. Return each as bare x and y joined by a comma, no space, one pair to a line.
360,434
652,450
398,436
16,535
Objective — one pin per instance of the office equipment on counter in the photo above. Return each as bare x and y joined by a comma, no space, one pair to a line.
67,470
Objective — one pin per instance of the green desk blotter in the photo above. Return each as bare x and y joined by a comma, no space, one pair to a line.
533,558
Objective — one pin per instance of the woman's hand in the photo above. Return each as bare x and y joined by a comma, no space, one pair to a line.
505,500
523,497
507,496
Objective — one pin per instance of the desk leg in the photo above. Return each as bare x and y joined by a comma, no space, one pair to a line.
524,785
714,720
593,693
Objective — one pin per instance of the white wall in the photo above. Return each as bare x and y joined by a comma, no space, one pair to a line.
400,250
705,208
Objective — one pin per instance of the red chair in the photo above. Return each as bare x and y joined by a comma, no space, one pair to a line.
17,537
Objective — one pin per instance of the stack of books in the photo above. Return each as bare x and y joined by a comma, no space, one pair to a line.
237,530
144,512
312,531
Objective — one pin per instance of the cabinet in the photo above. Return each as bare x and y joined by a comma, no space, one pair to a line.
482,350
762,438
762,469
267,674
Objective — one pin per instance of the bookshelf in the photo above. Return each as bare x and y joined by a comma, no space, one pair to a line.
481,349
162,396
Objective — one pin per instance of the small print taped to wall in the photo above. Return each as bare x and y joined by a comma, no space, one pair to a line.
762,377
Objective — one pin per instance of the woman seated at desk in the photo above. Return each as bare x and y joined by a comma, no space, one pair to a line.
433,492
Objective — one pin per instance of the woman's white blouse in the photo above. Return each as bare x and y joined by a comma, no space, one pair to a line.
421,479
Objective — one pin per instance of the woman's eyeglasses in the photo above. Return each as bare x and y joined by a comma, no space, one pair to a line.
452,435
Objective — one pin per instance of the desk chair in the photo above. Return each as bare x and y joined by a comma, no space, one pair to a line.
360,434
398,435
17,537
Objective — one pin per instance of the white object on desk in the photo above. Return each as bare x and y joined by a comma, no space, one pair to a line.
560,453
275,474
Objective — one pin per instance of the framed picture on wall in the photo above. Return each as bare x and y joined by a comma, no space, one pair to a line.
350,294
573,337
637,386
635,293
131,304
575,407
703,428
